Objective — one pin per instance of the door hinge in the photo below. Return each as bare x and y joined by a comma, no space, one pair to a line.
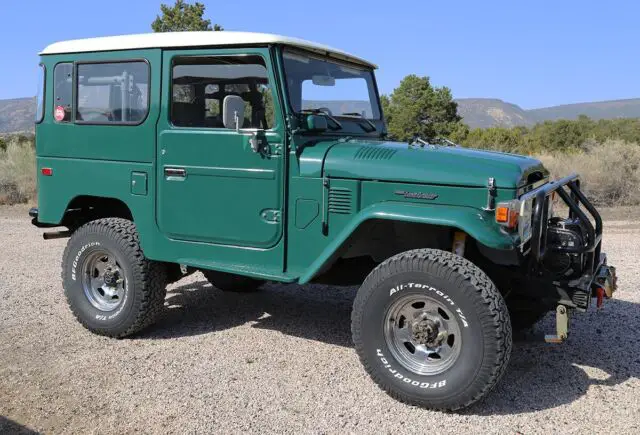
271,216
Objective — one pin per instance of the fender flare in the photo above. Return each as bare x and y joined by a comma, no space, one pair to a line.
476,223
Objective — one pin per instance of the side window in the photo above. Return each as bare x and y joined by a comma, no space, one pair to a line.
40,95
199,86
113,93
62,91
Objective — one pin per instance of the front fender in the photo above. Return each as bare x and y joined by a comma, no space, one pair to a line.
476,223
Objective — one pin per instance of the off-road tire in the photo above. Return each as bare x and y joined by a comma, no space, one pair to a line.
486,338
229,282
145,280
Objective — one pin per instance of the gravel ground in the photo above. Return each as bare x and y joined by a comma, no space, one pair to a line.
282,361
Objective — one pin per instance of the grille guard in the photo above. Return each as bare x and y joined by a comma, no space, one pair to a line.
540,217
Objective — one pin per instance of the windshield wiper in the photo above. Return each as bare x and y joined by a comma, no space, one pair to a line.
336,124
359,117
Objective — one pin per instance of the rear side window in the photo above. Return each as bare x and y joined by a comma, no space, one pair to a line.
113,93
62,91
40,94
199,86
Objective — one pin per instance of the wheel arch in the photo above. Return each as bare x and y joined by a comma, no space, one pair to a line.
84,208
439,219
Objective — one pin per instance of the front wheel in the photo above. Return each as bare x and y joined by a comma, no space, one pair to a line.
431,329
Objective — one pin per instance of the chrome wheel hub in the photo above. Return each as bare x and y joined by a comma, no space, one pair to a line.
103,281
422,334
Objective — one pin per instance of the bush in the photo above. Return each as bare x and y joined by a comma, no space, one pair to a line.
17,172
610,171
551,136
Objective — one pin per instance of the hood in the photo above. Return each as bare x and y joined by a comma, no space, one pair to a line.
431,164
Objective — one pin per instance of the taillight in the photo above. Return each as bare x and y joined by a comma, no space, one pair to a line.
47,172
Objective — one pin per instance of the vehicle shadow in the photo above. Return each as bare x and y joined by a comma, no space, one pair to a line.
315,312
8,426
603,349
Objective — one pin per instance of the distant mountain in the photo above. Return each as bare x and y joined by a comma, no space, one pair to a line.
490,112
17,115
629,108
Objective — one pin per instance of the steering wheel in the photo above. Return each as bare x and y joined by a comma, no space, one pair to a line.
325,110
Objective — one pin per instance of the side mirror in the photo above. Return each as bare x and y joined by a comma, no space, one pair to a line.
233,112
317,123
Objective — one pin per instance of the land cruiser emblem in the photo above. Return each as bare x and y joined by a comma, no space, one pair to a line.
416,195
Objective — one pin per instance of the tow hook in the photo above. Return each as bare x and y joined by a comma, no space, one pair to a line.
562,326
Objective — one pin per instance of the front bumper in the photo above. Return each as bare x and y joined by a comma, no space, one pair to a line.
596,278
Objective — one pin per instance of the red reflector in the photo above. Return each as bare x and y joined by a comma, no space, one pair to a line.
47,172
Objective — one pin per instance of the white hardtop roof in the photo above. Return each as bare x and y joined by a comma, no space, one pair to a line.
192,39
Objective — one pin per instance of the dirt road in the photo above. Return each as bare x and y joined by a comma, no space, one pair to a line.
281,361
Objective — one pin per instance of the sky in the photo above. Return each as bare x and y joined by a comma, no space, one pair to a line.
532,53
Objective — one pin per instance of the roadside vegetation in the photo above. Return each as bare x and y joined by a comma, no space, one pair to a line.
17,170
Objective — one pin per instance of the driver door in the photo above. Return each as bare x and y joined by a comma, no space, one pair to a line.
212,186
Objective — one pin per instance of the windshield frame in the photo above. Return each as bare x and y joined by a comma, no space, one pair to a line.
374,97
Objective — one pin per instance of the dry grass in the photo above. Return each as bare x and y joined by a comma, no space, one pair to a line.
610,171
17,173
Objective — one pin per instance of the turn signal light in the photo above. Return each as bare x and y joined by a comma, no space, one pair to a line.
502,215
47,172
507,214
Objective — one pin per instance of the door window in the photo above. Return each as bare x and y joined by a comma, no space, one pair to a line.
199,86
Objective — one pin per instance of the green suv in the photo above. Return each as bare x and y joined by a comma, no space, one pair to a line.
254,157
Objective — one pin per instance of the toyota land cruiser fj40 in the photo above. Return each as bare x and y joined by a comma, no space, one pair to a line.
254,158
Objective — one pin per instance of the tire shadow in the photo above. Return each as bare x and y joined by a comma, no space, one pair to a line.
603,349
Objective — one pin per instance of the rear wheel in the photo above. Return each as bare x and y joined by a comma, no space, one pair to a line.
229,282
431,329
111,288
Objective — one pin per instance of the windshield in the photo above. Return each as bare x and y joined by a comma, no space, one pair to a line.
336,88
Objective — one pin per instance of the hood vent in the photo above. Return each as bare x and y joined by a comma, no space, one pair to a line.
374,153
339,200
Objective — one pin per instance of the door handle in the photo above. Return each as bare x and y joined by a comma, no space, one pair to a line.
175,172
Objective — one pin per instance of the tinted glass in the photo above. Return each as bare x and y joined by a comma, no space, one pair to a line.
62,91
199,86
113,93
